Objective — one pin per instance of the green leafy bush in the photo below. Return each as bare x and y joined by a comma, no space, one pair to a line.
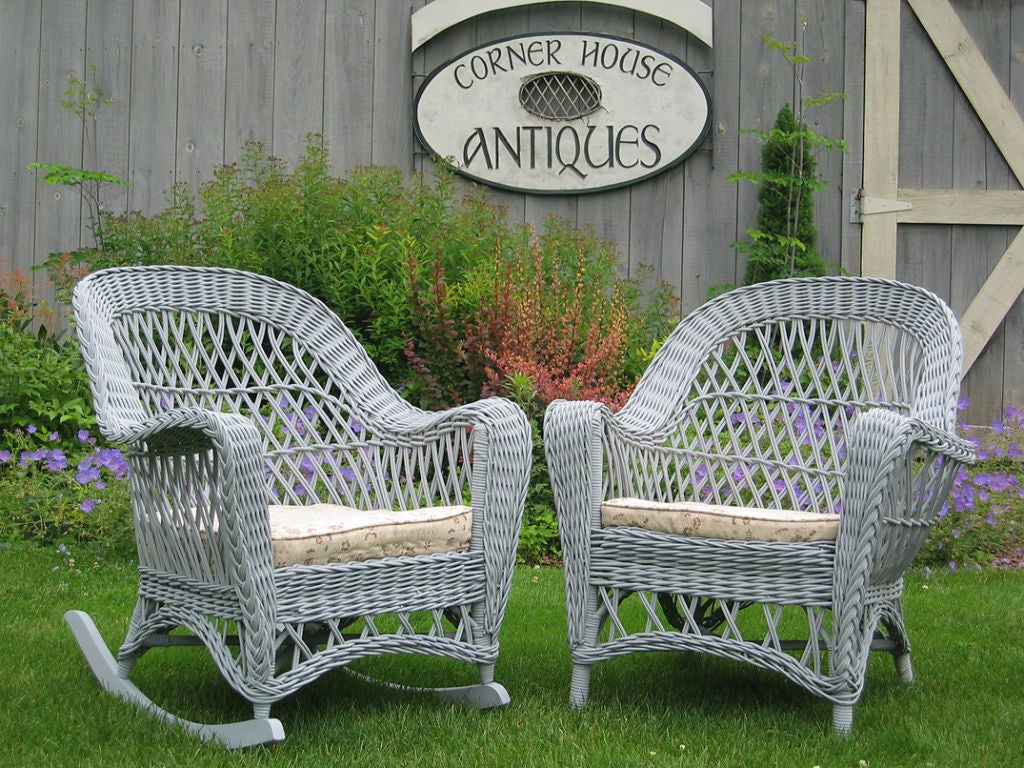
561,315
983,522
784,242
425,272
63,491
450,300
42,379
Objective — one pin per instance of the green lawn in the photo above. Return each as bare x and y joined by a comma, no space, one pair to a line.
965,709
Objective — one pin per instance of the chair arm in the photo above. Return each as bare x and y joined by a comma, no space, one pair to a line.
200,501
500,450
574,447
943,442
899,472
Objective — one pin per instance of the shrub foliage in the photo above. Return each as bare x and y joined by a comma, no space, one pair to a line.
448,297
451,301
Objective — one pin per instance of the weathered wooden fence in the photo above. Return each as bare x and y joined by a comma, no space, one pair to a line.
193,80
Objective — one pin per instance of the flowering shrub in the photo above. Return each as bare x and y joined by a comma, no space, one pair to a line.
982,521
563,318
58,491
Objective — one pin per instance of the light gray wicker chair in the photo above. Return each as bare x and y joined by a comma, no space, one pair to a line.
245,403
812,421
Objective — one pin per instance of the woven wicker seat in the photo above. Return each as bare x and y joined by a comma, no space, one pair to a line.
235,392
821,395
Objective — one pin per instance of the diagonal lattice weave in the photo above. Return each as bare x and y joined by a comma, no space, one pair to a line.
560,96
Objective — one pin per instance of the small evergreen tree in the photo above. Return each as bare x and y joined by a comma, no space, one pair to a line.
784,242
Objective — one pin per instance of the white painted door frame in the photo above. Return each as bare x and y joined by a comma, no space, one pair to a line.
884,204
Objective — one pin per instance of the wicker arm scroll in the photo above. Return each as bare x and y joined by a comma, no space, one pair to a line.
899,472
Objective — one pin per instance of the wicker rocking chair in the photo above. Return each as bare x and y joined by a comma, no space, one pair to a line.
292,512
780,463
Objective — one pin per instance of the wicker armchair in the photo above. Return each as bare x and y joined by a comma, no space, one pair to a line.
287,500
779,463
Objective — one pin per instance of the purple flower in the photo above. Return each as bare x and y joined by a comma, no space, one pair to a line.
56,461
5,456
114,460
87,474
88,505
29,457
31,429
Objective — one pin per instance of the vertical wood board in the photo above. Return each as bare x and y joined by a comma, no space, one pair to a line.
152,132
58,210
298,75
249,75
202,88
882,92
19,106
348,102
109,50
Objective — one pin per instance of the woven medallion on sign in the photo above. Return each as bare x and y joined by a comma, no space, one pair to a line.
560,96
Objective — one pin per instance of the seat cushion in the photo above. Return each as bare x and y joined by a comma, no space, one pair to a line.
715,521
318,534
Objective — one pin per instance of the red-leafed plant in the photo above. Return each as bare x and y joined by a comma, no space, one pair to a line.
556,322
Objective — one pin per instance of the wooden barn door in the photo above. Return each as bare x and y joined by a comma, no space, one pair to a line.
884,203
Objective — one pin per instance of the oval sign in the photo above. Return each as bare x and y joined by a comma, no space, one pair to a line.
562,113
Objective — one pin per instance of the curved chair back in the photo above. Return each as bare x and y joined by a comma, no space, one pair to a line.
779,370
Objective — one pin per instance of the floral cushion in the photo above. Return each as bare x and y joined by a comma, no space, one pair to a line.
715,521
319,534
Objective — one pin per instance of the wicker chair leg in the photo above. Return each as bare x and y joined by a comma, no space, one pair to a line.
904,667
579,689
260,730
842,719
